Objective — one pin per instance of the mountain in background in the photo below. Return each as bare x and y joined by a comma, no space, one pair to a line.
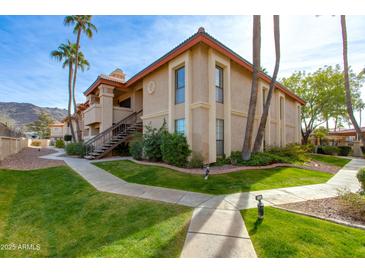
22,114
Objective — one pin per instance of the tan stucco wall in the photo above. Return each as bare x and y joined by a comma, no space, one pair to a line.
200,109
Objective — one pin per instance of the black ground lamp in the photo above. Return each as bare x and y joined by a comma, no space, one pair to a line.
206,173
260,206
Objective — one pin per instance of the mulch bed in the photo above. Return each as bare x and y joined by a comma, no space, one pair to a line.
315,165
330,208
28,159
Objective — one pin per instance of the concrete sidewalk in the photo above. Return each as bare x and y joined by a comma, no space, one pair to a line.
216,228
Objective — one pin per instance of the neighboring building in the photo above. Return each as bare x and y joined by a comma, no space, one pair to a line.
202,89
343,137
57,131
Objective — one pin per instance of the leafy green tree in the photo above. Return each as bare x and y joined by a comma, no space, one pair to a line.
82,24
324,93
41,126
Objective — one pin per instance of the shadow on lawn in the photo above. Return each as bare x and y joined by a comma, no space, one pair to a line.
69,218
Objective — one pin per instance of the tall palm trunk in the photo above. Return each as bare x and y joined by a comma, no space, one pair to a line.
347,80
78,131
256,43
69,100
265,112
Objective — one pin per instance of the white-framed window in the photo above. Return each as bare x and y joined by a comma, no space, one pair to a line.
219,98
180,126
180,85
219,135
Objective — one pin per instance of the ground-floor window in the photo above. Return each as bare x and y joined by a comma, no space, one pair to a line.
180,126
220,137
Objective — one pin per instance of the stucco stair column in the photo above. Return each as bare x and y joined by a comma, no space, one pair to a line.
106,102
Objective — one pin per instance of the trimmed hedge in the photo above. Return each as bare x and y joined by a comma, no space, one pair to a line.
77,149
344,150
330,150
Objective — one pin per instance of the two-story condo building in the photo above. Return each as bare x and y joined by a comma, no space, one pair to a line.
201,88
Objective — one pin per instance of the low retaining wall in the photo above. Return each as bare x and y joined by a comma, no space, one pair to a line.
9,146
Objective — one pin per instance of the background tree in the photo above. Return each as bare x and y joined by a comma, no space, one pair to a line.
319,133
265,112
349,103
82,24
256,44
66,53
323,90
41,126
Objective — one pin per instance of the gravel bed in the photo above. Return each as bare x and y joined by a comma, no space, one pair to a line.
28,159
330,208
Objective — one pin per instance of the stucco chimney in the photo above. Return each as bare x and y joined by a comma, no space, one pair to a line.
118,73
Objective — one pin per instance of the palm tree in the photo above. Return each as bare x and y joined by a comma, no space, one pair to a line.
256,43
347,80
262,126
82,24
66,53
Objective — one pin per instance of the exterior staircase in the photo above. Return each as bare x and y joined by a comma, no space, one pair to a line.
103,143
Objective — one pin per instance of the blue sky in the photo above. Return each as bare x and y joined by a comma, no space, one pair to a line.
28,74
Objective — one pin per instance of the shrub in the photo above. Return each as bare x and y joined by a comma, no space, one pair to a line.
36,143
235,157
344,150
78,149
60,143
257,159
353,204
361,177
175,149
330,150
320,150
291,153
263,159
309,148
152,139
196,161
122,149
136,146
67,138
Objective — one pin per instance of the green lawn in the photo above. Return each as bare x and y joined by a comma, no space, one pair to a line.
67,217
242,181
287,235
328,159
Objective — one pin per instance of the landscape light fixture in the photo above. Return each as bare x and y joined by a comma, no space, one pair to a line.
207,170
260,206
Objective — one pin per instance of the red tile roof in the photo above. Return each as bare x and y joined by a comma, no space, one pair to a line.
200,37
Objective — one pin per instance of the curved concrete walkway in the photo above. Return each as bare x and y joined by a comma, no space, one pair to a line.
216,228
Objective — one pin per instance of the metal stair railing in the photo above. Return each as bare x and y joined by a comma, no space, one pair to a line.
107,135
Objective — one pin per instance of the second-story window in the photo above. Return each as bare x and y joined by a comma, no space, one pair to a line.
180,85
219,84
